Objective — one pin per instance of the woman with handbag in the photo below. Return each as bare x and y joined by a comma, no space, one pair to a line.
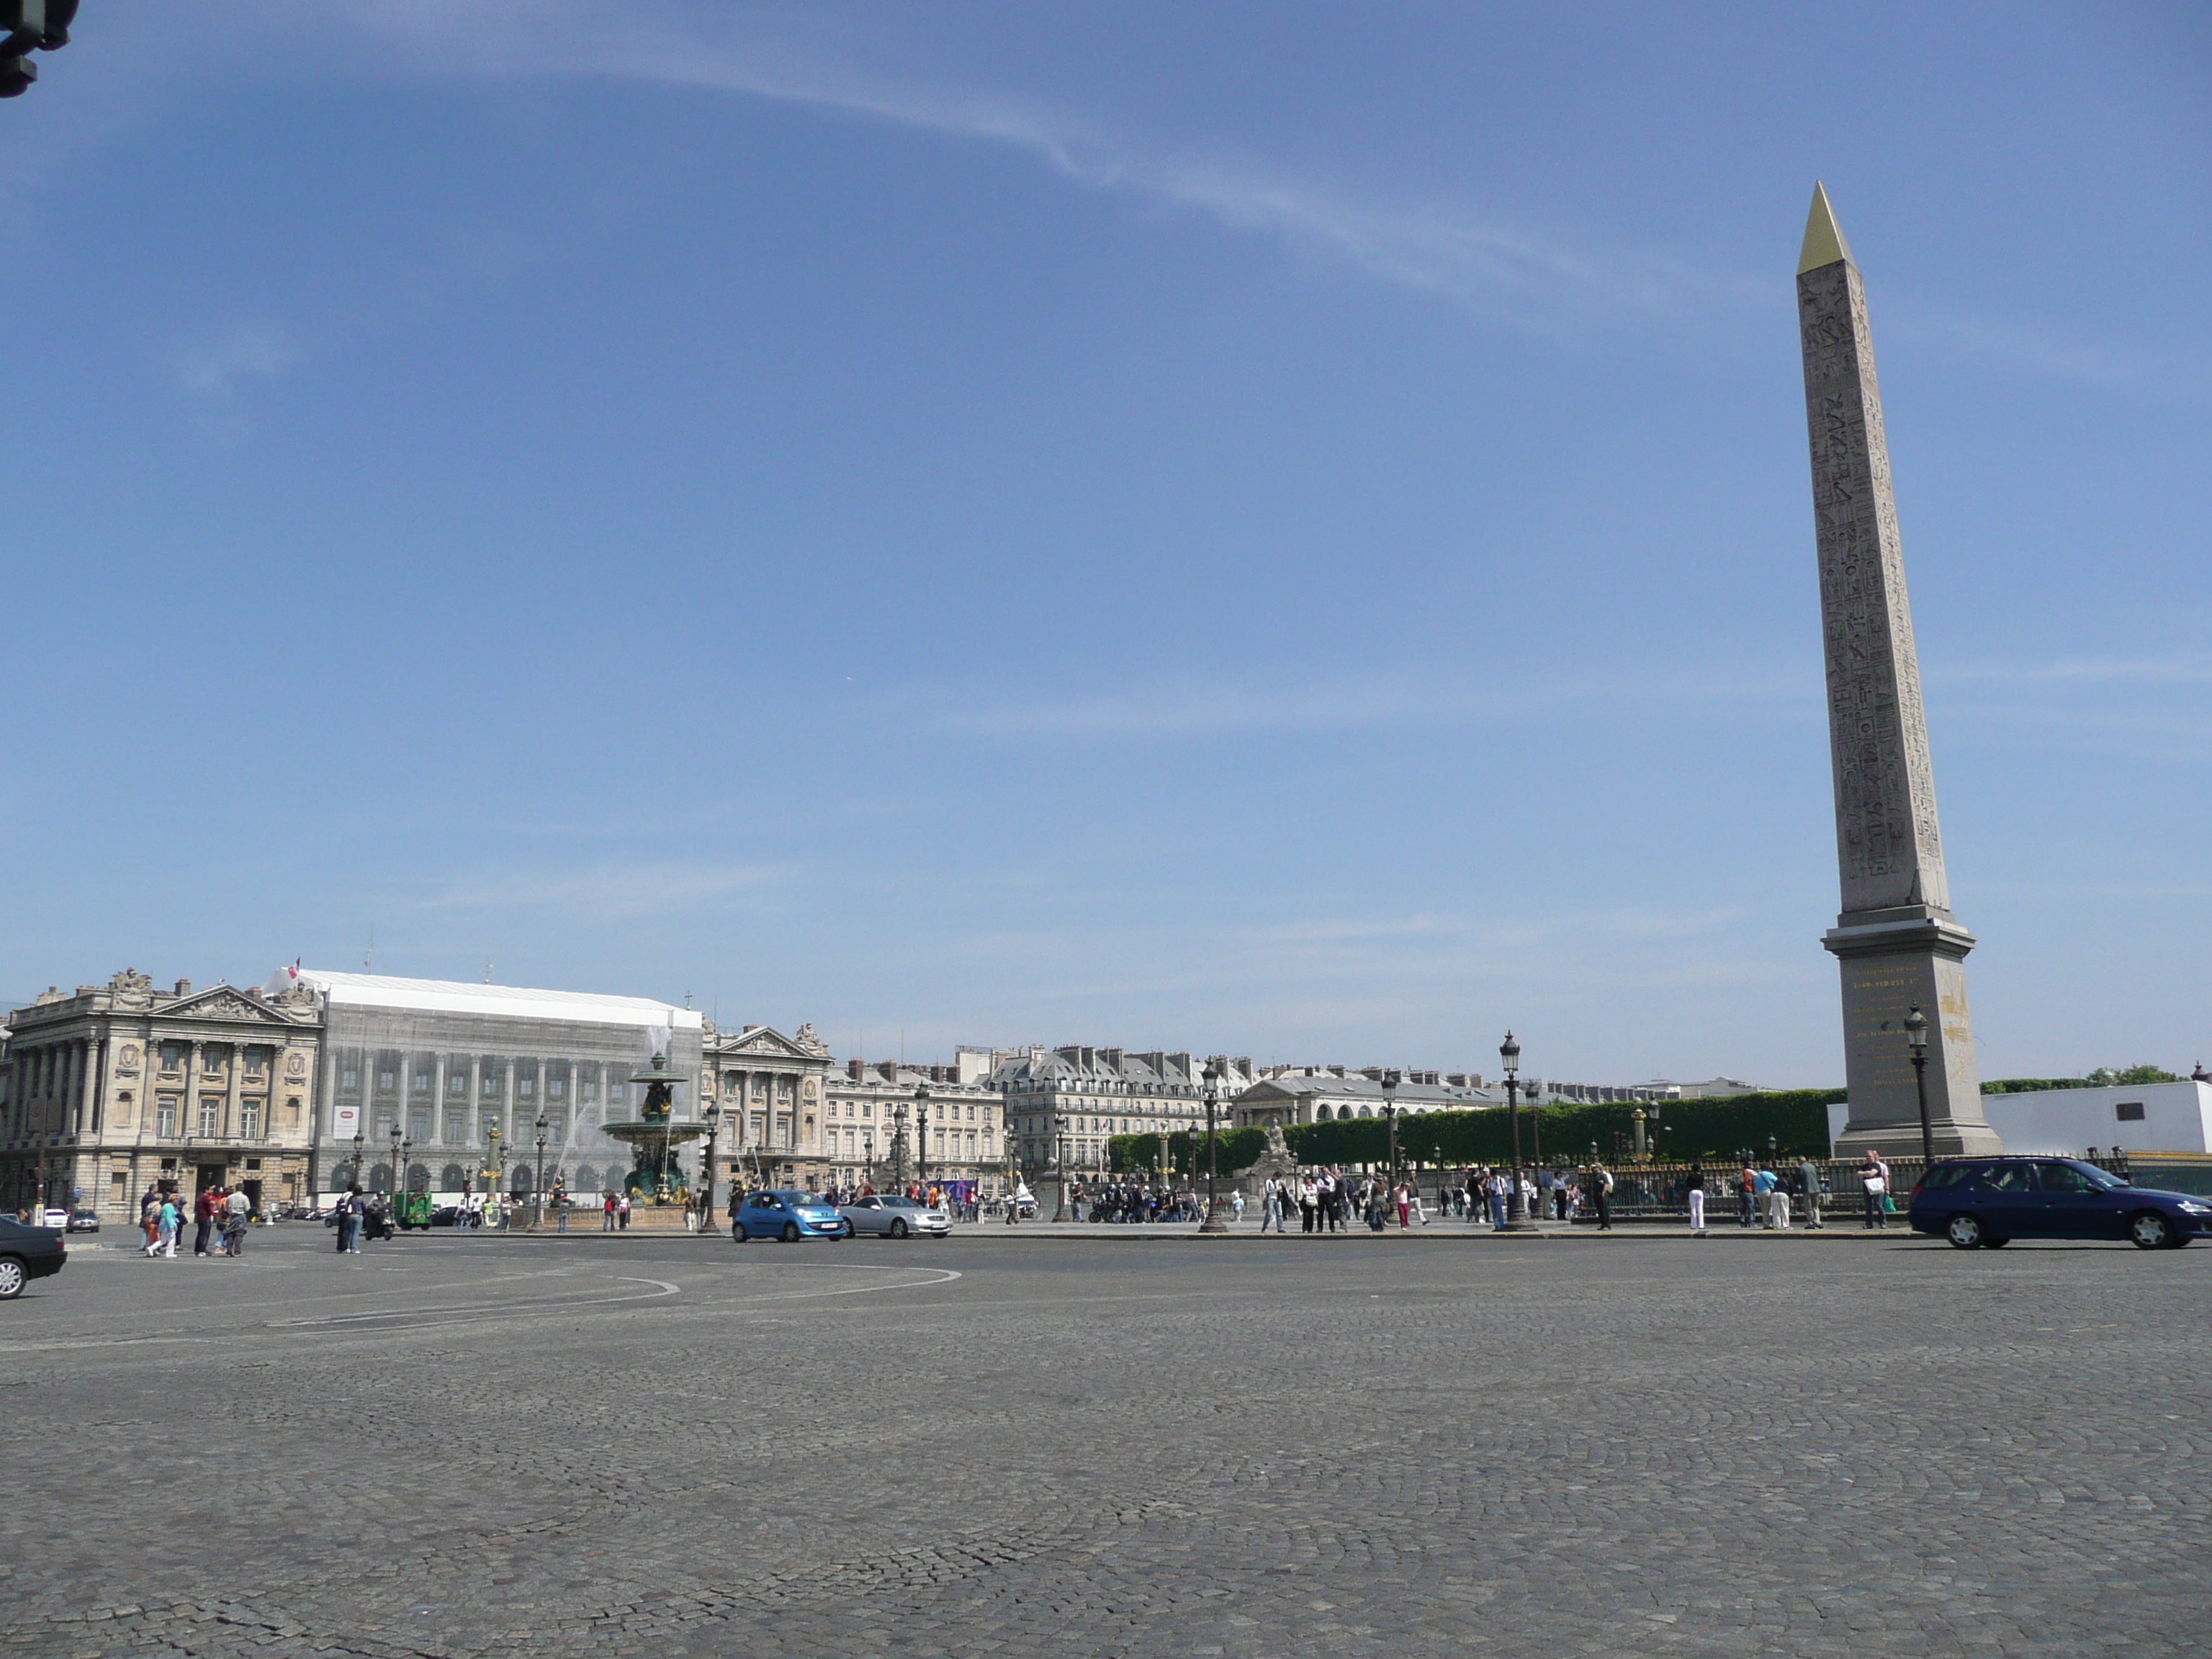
1873,1181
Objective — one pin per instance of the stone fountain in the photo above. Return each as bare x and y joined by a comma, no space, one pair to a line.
653,1140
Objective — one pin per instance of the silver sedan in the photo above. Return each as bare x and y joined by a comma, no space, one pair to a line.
892,1216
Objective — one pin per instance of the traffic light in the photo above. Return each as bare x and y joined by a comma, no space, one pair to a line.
26,26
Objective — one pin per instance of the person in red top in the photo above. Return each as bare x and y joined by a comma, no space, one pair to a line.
203,1213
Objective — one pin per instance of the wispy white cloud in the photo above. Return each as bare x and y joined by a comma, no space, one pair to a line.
2035,349
1526,274
2184,669
615,892
1200,707
251,350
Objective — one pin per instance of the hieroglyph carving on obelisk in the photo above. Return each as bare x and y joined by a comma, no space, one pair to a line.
1896,941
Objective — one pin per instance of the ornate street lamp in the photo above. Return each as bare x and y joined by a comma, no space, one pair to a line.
397,1135
1916,1036
538,1181
711,1111
1390,1081
921,1133
360,1152
1059,1179
1215,1222
1517,1212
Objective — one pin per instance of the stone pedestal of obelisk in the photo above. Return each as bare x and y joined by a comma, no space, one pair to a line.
1897,942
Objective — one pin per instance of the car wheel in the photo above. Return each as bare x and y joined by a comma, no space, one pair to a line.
2149,1230
1966,1232
791,1232
851,1231
12,1278
1989,1243
738,1234
898,1227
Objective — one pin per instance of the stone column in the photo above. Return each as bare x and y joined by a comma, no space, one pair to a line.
190,1124
1896,941
88,1114
230,1096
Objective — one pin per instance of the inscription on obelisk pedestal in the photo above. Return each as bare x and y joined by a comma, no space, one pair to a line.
1896,941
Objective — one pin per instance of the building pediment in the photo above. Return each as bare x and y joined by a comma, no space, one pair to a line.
222,1002
763,1043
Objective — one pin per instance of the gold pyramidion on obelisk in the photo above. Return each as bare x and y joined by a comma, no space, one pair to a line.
1898,943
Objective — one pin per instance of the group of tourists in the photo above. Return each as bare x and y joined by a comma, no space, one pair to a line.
221,1214
1765,1197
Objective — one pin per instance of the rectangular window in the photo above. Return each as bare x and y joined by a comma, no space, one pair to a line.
418,1128
386,1080
422,1083
210,1114
590,1090
555,1088
349,1079
457,1082
249,1119
526,1086
165,1116
491,1088
172,1057
2129,1111
253,1061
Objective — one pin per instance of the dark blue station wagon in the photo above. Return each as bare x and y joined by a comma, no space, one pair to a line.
1983,1203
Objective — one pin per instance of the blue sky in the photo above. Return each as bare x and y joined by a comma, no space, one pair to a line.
1277,528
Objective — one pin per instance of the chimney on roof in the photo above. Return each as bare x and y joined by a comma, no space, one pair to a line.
887,1070
1336,1071
853,1068
184,987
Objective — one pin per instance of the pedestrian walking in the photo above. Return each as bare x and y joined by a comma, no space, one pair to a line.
1601,1196
1694,1185
622,1213
203,1209
165,1227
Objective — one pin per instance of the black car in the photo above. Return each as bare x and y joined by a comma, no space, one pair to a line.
26,1254
1984,1203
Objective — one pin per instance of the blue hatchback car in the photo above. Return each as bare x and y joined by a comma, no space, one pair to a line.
1983,1203
775,1213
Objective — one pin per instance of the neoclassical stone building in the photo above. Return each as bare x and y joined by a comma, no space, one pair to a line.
118,1088
870,1104
1067,1103
768,1087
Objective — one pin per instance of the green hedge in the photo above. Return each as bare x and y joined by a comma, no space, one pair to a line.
1239,1149
1797,1119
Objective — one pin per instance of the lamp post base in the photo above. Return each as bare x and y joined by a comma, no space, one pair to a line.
1517,1219
1217,1218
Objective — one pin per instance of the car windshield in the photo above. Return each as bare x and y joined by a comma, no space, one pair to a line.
812,1201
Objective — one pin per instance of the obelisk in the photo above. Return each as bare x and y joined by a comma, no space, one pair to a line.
1897,943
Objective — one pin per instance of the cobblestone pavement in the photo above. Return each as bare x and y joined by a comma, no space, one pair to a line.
1350,1447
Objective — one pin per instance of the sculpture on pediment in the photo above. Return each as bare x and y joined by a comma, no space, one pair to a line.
811,1040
